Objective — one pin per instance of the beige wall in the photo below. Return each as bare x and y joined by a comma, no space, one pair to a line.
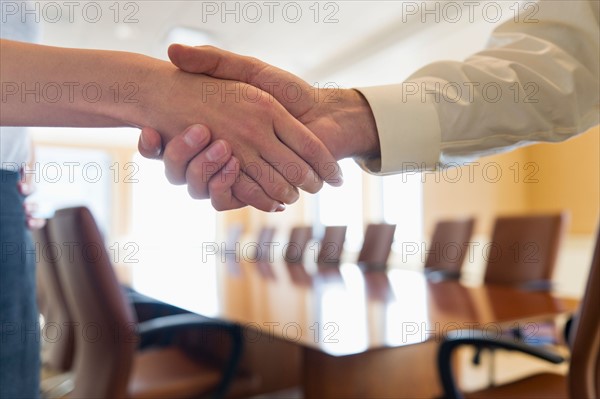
121,192
538,178
484,189
569,179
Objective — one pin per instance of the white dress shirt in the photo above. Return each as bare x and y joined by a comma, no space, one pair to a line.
546,73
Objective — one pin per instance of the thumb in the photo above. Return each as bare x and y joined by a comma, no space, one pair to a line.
150,143
293,93
213,61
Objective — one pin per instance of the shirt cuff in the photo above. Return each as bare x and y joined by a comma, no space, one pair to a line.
408,129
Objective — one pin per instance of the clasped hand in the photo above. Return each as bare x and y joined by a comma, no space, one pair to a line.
255,144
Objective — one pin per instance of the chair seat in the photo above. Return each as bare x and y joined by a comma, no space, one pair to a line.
543,385
169,373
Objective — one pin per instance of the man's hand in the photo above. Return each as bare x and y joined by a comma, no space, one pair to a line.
185,159
342,119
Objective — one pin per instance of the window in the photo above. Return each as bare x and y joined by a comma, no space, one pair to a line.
364,199
403,205
172,231
343,206
164,213
67,177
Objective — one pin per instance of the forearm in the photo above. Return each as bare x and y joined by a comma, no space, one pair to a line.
52,86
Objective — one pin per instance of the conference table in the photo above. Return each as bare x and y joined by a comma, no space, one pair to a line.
338,330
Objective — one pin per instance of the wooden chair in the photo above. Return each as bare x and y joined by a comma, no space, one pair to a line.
57,353
522,253
332,245
448,247
263,246
299,238
583,379
58,341
299,275
523,250
377,245
231,251
107,360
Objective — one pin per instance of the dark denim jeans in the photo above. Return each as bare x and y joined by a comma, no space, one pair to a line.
19,328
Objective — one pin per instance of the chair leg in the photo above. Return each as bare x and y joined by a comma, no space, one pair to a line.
492,368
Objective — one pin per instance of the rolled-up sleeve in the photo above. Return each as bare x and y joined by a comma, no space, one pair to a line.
536,81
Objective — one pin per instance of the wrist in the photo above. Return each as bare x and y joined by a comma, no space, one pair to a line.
365,134
139,91
358,130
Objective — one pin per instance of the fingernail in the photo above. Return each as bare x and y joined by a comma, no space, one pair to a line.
147,147
216,151
338,180
280,208
311,177
143,141
292,196
195,136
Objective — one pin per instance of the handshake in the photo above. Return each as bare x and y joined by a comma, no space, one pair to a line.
259,133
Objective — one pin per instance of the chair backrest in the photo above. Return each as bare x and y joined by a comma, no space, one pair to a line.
232,242
59,349
332,245
299,237
106,341
449,245
524,249
263,248
584,369
377,244
299,275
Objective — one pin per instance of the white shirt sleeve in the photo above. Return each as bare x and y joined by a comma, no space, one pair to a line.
536,81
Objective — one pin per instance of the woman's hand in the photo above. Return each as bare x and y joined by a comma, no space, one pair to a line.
274,152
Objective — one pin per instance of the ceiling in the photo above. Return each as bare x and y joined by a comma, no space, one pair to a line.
349,43
312,39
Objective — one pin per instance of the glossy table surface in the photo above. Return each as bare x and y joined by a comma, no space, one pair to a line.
342,310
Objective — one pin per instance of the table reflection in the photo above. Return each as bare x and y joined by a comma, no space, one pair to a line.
340,310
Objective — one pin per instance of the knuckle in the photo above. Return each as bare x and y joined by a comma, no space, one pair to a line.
248,131
219,205
194,171
173,177
279,192
313,187
252,190
294,172
196,192
252,193
174,157
201,172
264,102
217,185
253,60
311,146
